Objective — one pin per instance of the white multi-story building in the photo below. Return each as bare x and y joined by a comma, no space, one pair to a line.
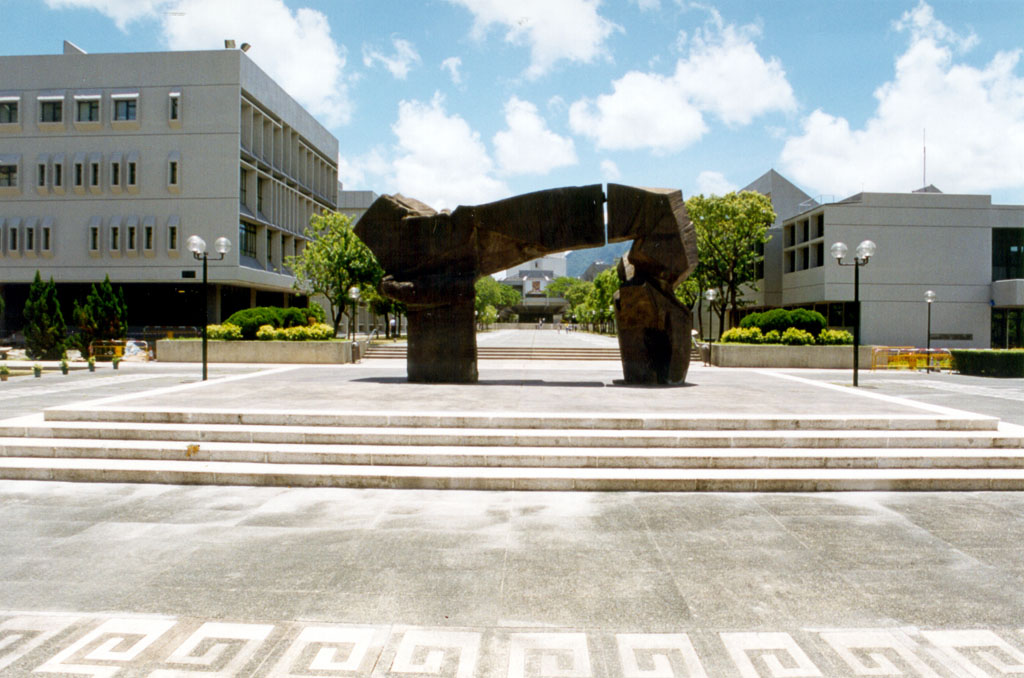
109,162
962,247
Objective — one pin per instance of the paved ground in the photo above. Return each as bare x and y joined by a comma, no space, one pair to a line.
161,581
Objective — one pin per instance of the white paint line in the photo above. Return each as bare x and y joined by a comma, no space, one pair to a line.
896,400
92,404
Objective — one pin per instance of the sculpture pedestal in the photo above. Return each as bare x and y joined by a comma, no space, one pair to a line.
442,344
654,336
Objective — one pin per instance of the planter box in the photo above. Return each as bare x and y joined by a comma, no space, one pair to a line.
818,357
310,352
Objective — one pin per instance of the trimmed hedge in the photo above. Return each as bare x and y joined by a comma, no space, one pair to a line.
317,332
793,336
989,363
250,320
780,319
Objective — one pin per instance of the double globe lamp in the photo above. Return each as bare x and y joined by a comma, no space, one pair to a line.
865,251
197,246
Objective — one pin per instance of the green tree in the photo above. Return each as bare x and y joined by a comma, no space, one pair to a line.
384,306
334,261
600,297
45,330
560,285
104,315
731,232
490,292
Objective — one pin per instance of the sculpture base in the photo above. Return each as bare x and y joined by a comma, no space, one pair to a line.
442,344
654,336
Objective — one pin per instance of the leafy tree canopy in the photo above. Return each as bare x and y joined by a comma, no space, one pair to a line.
333,261
490,292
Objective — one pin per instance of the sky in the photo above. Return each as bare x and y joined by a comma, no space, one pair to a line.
467,101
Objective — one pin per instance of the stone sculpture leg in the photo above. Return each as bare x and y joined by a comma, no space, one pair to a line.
654,335
442,344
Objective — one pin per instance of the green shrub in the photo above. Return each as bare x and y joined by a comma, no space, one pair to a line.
225,332
321,332
796,337
741,335
103,316
989,363
45,331
772,337
316,313
780,319
266,333
834,338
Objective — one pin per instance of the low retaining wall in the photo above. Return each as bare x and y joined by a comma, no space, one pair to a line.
758,355
315,352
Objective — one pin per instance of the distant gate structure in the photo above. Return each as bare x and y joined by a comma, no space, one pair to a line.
432,260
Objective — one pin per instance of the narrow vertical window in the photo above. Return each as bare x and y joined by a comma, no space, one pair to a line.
243,195
94,238
147,238
12,243
132,179
172,173
174,107
41,174
94,174
30,239
259,195
79,174
172,237
115,237
58,175
115,174
46,244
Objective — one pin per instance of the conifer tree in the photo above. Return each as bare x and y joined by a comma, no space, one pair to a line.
104,315
45,331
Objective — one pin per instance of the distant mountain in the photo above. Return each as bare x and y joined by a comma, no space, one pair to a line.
578,261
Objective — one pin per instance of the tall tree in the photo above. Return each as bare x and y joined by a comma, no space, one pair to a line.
45,330
731,232
334,261
104,315
490,292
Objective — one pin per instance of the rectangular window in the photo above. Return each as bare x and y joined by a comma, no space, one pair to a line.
8,175
88,110
94,174
58,175
132,179
79,174
30,239
147,238
41,174
12,240
47,245
172,173
115,237
270,246
132,232
51,111
1007,253
174,113
172,237
8,112
242,193
115,174
125,109
94,238
259,195
247,240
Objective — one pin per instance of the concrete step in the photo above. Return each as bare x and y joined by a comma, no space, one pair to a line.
398,351
539,420
519,457
477,478
513,437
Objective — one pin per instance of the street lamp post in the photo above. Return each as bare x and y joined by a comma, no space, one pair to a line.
353,293
197,246
711,294
929,298
865,251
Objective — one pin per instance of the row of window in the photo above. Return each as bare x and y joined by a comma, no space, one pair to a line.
88,172
131,236
804,230
26,237
803,258
85,110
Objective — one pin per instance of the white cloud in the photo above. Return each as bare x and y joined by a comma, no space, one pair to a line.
570,30
647,5
453,66
353,171
122,12
399,64
610,171
528,146
714,183
974,119
723,74
441,160
295,48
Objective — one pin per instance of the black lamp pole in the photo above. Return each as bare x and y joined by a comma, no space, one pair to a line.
865,251
197,246
929,297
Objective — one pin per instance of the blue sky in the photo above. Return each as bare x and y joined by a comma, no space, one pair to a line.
465,101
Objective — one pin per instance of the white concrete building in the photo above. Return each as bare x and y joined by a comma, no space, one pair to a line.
967,250
109,162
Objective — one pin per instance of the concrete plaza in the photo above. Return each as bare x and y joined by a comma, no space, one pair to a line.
158,580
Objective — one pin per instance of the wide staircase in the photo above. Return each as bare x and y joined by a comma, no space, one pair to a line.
515,451
398,352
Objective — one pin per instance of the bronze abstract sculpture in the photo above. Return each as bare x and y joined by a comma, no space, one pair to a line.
432,260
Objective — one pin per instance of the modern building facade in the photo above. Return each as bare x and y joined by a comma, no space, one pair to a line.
109,162
965,249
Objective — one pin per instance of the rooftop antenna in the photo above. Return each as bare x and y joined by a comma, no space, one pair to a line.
924,157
